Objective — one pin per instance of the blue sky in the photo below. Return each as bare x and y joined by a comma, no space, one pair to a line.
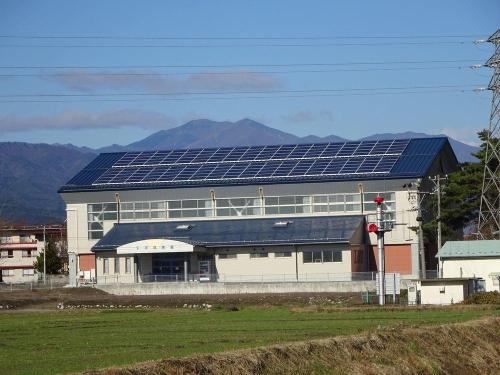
97,123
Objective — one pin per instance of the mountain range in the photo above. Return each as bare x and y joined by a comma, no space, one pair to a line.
30,174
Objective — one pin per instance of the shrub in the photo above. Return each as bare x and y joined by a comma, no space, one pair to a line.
484,298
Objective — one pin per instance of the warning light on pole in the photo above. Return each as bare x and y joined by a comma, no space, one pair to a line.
372,228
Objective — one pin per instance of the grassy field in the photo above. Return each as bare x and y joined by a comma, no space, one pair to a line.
52,342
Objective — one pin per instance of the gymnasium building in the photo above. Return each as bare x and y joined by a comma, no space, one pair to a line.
250,213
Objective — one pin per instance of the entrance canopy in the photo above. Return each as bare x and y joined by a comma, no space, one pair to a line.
185,235
155,245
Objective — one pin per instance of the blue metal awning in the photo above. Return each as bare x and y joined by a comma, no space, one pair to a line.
240,232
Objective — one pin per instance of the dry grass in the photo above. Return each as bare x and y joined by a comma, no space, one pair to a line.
465,348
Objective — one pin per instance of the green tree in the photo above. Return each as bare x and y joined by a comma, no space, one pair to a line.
461,197
52,259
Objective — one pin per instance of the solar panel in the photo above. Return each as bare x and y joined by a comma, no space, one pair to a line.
243,163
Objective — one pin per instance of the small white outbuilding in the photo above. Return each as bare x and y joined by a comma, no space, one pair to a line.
440,291
472,259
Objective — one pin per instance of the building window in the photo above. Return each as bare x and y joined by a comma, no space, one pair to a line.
228,256
322,256
283,254
96,215
7,272
10,253
190,208
105,266
28,253
117,265
261,254
287,205
238,207
28,272
353,202
128,265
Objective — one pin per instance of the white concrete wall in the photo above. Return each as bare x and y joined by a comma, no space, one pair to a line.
237,288
113,276
445,293
470,267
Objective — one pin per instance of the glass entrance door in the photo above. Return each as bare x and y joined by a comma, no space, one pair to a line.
169,266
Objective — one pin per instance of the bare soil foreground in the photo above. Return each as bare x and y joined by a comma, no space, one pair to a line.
464,348
95,298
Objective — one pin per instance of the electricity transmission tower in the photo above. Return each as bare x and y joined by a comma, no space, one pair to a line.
489,209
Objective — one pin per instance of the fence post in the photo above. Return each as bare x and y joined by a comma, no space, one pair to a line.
31,285
11,286
394,288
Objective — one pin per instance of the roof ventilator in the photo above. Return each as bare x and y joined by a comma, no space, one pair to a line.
282,224
184,227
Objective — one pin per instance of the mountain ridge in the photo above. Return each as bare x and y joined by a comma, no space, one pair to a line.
28,196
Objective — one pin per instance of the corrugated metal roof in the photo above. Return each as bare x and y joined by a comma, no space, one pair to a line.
240,232
250,165
470,249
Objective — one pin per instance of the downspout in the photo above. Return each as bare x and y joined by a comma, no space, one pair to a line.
296,263
95,265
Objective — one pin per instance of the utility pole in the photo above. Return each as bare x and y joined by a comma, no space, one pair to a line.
416,197
379,229
437,183
381,254
489,209
44,256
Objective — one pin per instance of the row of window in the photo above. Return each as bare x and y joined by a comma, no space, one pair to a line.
16,239
322,256
227,207
282,254
316,256
26,272
116,262
25,254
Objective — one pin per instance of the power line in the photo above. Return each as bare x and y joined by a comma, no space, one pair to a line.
159,75
122,37
182,93
236,97
275,45
239,65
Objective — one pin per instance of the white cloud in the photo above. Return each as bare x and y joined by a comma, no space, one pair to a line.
86,120
466,135
153,82
307,116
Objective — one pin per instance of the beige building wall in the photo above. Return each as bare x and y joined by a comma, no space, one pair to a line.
276,268
114,275
17,256
484,268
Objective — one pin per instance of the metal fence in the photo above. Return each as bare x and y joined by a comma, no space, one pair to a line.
232,278
51,282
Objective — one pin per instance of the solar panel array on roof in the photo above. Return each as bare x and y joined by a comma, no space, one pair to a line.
254,162
259,164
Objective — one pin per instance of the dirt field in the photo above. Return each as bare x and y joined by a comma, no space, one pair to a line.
471,348
91,297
